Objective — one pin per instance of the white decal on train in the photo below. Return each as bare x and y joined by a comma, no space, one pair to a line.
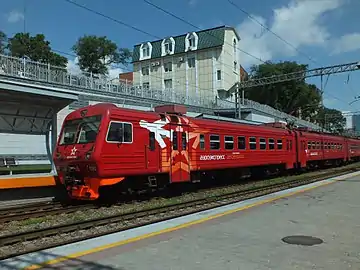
212,157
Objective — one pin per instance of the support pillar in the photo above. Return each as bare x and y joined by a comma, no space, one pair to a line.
50,141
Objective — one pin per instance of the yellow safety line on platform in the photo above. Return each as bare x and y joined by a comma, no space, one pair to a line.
178,227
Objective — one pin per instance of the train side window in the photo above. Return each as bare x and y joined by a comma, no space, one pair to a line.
317,145
241,142
313,145
271,144
279,144
262,144
175,140
326,145
252,142
152,141
229,142
214,142
309,145
120,132
183,140
202,141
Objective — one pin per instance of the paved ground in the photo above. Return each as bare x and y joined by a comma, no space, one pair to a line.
249,239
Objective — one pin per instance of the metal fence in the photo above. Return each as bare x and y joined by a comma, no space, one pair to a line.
61,78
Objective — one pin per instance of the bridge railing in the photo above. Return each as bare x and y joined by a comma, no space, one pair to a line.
61,77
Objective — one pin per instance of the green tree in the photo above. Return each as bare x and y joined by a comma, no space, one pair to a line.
96,54
331,119
37,48
3,40
291,97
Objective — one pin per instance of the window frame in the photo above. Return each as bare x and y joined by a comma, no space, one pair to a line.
229,142
271,141
262,141
253,143
219,141
244,137
119,122
203,146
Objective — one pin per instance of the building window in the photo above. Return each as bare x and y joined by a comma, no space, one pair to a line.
168,66
191,62
191,41
168,47
145,71
234,45
146,85
168,84
235,65
145,51
218,75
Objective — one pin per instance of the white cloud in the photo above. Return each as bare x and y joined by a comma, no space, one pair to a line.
73,68
347,43
192,2
15,16
299,23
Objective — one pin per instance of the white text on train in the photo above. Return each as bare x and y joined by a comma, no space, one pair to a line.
212,157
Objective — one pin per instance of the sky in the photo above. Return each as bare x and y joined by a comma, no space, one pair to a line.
318,33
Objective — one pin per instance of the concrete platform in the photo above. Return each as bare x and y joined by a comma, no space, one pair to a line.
246,235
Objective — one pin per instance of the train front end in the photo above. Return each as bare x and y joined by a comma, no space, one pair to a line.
75,154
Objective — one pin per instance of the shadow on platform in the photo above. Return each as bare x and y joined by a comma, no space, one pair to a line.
25,261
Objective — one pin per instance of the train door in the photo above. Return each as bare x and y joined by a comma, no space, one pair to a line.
180,158
301,149
151,152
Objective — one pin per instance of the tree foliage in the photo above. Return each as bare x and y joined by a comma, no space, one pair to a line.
3,40
96,54
37,48
295,97
291,97
331,119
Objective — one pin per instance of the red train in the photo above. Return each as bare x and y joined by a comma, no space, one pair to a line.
104,147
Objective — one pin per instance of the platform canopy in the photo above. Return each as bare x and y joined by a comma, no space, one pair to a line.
27,108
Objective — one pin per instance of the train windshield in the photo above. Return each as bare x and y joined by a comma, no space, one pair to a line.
79,131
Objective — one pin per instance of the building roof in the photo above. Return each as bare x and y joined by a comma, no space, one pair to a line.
208,38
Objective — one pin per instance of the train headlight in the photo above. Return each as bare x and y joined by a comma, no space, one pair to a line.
87,156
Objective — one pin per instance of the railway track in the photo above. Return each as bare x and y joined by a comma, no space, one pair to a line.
12,245
41,210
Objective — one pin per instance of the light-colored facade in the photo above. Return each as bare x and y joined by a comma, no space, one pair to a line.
195,65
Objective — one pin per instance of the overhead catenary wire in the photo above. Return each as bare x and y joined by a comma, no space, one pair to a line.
135,28
193,25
